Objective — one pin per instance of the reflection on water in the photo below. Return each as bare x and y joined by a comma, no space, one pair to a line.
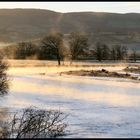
97,107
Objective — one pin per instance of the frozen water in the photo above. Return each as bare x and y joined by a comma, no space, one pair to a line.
97,107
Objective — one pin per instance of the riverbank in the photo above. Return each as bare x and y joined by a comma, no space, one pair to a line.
44,63
133,69
101,73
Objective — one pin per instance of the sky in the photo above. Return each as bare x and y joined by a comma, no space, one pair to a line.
113,7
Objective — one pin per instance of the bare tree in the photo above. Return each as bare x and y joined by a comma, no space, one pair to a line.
105,52
134,54
78,43
35,123
53,44
98,51
113,54
3,77
121,52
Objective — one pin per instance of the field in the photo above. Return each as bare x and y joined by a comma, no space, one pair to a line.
97,106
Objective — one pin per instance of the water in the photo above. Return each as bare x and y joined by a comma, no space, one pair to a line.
97,107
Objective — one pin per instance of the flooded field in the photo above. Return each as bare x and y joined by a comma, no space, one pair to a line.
97,107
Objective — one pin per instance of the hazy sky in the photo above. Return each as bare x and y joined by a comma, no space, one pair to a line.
117,7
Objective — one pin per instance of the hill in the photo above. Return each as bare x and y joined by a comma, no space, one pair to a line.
29,24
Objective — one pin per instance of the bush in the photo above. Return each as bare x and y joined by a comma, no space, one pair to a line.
3,77
35,123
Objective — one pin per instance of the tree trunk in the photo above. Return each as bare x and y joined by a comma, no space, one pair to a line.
58,59
59,62
71,62
72,58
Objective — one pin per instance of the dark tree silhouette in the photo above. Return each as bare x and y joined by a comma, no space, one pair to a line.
121,52
78,43
3,77
113,54
52,45
24,50
105,52
134,54
98,51
34,123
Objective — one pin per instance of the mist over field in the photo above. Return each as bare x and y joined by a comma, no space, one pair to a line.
69,75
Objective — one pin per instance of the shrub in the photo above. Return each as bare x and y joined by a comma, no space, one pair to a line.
3,77
35,123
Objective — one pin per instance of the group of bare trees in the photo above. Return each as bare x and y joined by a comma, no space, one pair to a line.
53,47
117,52
25,50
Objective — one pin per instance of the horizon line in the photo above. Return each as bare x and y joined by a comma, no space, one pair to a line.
69,12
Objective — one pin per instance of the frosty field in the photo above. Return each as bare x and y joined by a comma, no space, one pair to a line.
97,107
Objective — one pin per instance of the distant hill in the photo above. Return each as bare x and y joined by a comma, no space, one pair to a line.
25,24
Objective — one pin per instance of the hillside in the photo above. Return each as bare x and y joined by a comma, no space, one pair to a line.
25,24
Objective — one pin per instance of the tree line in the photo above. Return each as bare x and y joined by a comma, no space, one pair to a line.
52,47
117,52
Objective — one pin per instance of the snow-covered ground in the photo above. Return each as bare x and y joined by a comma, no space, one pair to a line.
97,107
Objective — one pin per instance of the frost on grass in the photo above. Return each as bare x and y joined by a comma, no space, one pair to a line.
3,77
34,123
